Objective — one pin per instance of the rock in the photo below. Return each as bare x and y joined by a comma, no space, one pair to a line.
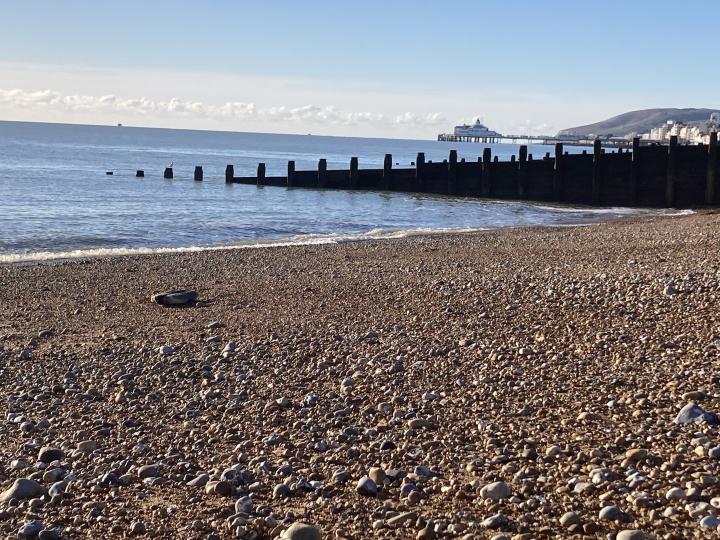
496,491
689,413
244,505
87,447
50,534
377,475
340,476
22,488
631,535
367,487
714,452
165,350
179,297
138,527
675,493
611,513
569,519
30,529
495,522
199,481
301,531
402,518
636,454
48,454
710,522
418,423
149,471
58,488
281,491
214,325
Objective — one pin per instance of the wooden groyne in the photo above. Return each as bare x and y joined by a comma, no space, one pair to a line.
671,176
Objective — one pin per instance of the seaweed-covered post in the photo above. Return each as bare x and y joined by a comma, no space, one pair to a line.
671,171
712,166
261,174
387,172
558,173
486,174
420,172
139,174
168,174
291,174
597,157
354,174
635,171
322,173
229,174
522,172
198,174
452,187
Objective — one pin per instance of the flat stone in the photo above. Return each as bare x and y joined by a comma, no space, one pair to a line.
629,534
50,534
710,522
244,505
22,488
495,522
301,531
175,298
377,475
87,447
30,529
149,471
496,491
199,481
636,454
367,487
689,413
281,491
48,454
402,518
569,519
611,513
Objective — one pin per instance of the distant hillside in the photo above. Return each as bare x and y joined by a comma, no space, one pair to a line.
638,122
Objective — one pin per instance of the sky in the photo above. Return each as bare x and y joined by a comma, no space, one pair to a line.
391,68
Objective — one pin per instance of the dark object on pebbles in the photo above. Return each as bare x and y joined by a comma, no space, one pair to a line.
180,297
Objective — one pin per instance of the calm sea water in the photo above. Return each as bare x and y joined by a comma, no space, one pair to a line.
57,201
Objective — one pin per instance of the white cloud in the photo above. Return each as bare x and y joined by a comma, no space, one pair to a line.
229,111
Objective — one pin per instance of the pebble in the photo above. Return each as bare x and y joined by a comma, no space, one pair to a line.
30,529
165,350
710,522
367,487
496,491
611,513
569,519
48,454
629,534
149,471
22,488
281,491
301,531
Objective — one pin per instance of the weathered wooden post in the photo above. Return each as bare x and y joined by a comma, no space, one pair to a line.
322,173
635,171
198,174
671,171
420,172
558,174
486,174
597,157
712,166
261,174
229,174
291,174
139,174
168,174
387,172
354,174
452,187
522,172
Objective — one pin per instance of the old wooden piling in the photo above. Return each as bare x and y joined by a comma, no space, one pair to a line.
671,172
635,170
558,174
229,174
452,173
387,172
261,174
291,174
354,174
597,157
522,172
139,174
486,173
322,173
712,166
420,172
168,174
198,174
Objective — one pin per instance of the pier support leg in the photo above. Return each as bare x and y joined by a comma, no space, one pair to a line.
139,174
261,174
558,173
291,174
452,173
387,172
229,174
354,175
671,171
322,173
712,167
198,174
168,174
597,157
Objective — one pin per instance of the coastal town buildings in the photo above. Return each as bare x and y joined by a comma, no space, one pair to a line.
687,133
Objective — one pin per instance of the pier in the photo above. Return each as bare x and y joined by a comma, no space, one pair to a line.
533,139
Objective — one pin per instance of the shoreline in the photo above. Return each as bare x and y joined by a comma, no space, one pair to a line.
520,382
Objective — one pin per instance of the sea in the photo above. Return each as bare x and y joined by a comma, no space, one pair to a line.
57,202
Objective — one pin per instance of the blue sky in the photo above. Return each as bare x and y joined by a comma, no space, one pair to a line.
395,68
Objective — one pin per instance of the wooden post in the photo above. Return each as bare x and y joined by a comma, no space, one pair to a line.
486,171
168,174
387,172
671,170
291,174
354,175
140,174
198,175
712,166
597,157
522,172
558,174
229,174
261,174
635,171
452,173
420,172
322,173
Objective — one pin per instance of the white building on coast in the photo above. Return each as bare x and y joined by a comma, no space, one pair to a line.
690,133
